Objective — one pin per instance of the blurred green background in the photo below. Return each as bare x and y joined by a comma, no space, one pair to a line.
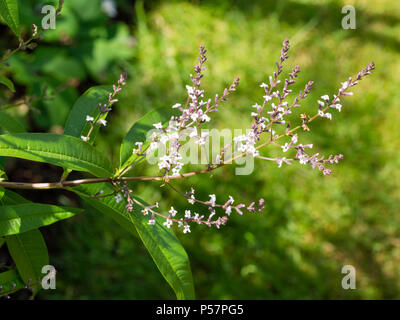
313,225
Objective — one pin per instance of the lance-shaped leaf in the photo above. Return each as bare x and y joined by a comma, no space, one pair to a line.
29,252
7,82
61,150
23,217
9,13
162,244
86,105
10,197
140,131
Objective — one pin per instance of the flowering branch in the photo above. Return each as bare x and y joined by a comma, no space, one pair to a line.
193,115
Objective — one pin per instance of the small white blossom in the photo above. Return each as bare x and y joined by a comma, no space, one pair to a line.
285,147
187,214
176,105
153,146
205,118
337,106
89,118
186,229
263,85
152,222
173,212
103,122
158,125
267,97
194,116
118,198
168,223
85,138
213,198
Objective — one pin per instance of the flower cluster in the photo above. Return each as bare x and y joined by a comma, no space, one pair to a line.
189,216
105,108
269,125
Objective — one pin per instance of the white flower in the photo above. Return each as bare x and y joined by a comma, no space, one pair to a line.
263,85
205,118
294,139
213,198
192,199
85,138
187,214
194,116
325,97
267,97
176,171
202,140
153,146
152,222
186,229
164,138
173,212
328,115
176,105
168,223
285,147
303,159
321,104
280,161
118,198
89,118
145,211
103,122
228,210
337,106
230,198
190,90
158,125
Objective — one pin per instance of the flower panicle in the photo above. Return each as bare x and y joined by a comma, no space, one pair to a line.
270,124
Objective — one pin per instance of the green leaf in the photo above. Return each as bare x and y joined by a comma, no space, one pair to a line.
29,252
10,124
139,131
11,197
60,150
86,105
9,13
10,279
7,82
162,244
20,218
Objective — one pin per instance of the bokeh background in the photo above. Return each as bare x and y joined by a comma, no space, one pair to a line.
312,226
